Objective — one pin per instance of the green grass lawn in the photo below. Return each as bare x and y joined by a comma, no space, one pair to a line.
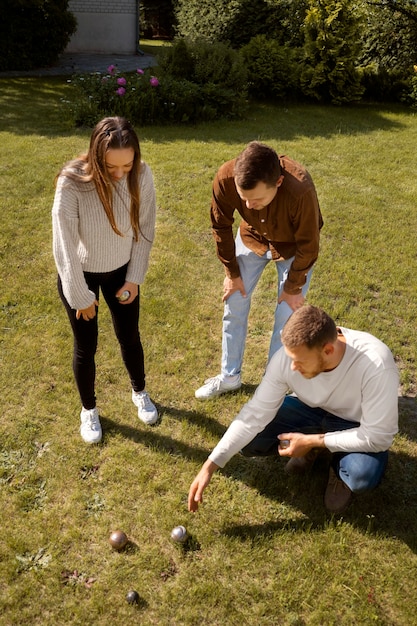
262,550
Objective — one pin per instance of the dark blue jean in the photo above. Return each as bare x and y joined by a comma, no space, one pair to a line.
125,319
361,471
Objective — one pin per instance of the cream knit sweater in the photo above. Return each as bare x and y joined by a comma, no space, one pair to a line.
84,241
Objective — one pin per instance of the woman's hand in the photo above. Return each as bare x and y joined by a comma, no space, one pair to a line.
89,313
132,288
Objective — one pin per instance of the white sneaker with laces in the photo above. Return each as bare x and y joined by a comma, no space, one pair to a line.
216,386
90,428
146,409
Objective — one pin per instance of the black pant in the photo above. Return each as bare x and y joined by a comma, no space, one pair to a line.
125,319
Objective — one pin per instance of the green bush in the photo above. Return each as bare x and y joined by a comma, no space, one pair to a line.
413,91
217,70
33,33
389,35
254,17
133,95
272,69
409,92
236,22
202,62
176,61
205,19
211,84
332,42
383,85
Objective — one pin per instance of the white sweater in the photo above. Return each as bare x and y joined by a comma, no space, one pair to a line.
362,388
84,241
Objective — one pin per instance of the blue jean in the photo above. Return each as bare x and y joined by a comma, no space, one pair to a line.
361,471
236,308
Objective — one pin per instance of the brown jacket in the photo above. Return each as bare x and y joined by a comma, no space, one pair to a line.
289,226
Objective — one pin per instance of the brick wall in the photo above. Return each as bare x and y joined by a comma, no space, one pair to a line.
103,6
105,26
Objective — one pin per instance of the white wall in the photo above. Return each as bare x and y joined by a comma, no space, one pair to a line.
104,26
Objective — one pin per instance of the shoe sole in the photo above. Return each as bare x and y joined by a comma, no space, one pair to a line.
148,423
91,442
217,393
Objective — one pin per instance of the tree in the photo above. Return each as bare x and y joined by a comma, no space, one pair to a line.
236,21
407,8
34,33
157,19
390,35
332,44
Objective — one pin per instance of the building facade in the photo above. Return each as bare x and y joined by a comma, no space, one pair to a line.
105,26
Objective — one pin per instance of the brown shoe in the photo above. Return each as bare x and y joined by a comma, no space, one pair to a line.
337,496
301,464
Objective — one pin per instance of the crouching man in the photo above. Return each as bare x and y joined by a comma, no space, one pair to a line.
328,387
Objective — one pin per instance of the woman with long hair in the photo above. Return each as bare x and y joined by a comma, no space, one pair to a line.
103,228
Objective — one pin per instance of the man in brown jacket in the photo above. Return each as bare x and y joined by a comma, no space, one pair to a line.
281,222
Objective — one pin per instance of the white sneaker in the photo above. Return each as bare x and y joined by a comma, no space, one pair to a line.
216,386
146,409
90,428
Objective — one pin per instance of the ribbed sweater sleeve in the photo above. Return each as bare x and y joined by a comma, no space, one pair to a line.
84,241
139,260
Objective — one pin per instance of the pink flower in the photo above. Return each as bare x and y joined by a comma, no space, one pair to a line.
139,71
121,81
154,81
121,91
111,69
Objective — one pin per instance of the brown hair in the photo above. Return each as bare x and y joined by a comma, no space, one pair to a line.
309,326
111,133
257,163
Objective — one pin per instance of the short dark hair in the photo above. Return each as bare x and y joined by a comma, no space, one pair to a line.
257,163
309,326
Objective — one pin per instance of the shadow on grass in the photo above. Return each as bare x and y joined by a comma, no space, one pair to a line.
407,407
44,116
151,436
47,96
388,511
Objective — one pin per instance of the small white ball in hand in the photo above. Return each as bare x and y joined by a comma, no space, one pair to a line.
124,296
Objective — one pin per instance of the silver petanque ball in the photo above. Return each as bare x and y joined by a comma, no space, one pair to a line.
124,296
132,597
179,534
284,443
